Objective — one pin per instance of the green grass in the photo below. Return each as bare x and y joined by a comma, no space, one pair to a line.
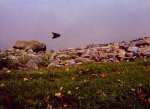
124,85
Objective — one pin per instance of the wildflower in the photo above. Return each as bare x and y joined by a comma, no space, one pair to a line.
104,75
87,70
118,73
99,91
59,95
69,92
73,78
133,89
80,72
104,95
25,79
94,74
140,85
61,88
77,88
145,60
85,81
67,69
2,85
8,71
120,85
118,80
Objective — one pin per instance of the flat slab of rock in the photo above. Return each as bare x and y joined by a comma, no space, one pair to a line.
36,46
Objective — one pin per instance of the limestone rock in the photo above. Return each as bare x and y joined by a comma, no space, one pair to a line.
11,50
33,53
115,47
36,46
63,56
103,55
145,51
143,42
30,51
14,58
121,55
31,64
85,56
53,56
71,62
55,62
94,57
129,54
125,47
133,49
80,52
78,60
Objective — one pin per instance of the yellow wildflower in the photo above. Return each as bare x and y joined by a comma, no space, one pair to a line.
67,69
59,95
25,79
69,92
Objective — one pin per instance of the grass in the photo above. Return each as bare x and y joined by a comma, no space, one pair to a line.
124,85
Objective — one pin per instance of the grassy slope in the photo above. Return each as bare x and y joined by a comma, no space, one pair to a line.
90,86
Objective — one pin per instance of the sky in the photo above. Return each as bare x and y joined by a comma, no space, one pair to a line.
80,22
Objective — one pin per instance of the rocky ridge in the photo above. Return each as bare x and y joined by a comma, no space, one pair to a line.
112,52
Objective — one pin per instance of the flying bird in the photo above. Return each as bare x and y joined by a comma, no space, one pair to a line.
55,35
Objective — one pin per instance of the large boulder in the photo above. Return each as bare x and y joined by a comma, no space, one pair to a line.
94,56
36,46
55,62
145,51
133,49
121,55
31,64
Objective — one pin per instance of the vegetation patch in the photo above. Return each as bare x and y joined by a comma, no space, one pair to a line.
123,85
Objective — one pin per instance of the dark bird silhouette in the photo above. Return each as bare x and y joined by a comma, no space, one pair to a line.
55,35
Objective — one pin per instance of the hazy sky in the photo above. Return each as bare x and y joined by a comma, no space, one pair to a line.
80,22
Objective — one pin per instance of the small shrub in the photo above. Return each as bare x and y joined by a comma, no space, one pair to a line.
7,62
23,59
64,58
44,62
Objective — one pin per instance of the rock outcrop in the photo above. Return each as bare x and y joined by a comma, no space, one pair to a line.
33,56
30,45
112,52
